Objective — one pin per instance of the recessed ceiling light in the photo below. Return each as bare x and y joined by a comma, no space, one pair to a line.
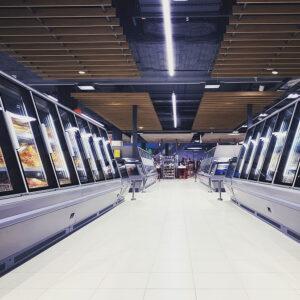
86,87
274,72
212,86
81,72
141,127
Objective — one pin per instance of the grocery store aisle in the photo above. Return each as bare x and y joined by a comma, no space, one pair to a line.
177,242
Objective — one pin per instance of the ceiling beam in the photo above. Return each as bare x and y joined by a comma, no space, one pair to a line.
72,58
62,39
262,28
66,52
261,36
67,12
257,50
59,22
260,44
269,9
71,46
83,67
53,3
61,31
265,20
253,67
262,56
278,62
59,64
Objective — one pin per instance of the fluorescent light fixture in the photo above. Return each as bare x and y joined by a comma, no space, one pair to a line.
168,36
234,133
174,106
86,87
212,86
263,115
293,96
194,148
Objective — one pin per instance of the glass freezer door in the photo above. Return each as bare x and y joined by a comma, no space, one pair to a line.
73,140
5,183
94,142
53,137
249,157
86,136
243,151
277,143
290,157
108,151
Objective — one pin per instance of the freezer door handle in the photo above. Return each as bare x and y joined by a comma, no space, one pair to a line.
46,138
11,131
68,140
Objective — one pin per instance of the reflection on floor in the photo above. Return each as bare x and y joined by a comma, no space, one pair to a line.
177,242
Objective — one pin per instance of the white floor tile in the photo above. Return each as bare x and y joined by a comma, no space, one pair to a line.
125,280
75,280
172,266
212,266
226,294
273,295
170,281
67,294
265,281
170,294
119,294
217,281
21,294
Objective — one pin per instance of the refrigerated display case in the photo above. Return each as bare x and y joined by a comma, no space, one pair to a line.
271,189
214,166
51,172
148,166
140,167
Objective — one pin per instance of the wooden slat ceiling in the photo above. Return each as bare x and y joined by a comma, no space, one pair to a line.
224,111
59,38
262,36
116,108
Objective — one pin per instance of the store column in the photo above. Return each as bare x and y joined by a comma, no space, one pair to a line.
249,115
134,137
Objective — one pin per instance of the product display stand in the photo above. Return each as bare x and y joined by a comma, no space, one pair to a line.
169,167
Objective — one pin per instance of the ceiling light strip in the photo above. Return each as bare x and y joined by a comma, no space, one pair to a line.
174,106
168,36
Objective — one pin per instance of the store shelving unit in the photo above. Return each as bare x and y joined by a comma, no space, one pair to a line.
169,167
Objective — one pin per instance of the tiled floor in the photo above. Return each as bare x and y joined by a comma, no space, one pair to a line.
177,242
